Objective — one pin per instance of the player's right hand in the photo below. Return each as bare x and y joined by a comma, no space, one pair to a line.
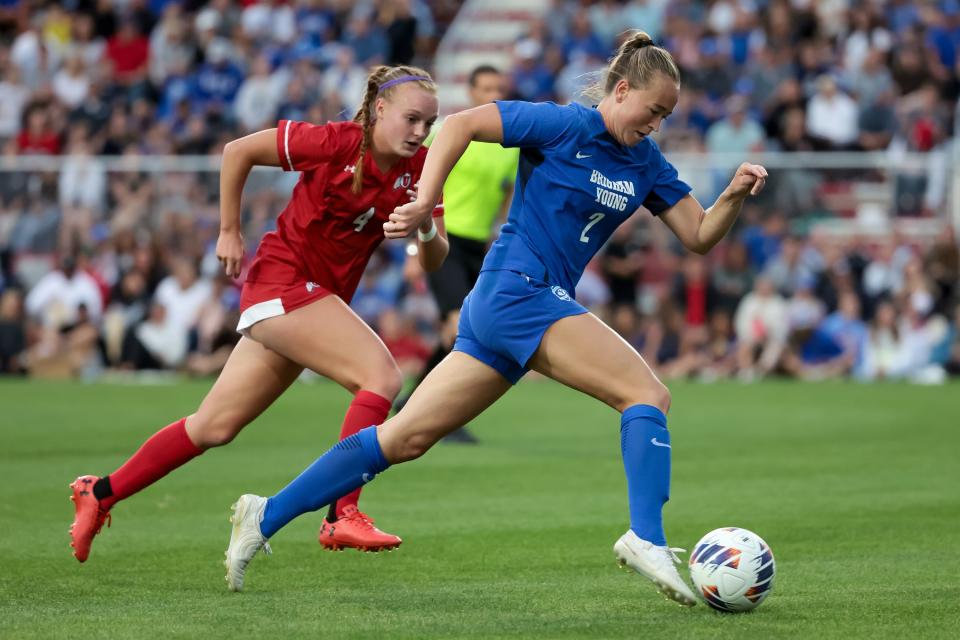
406,218
230,252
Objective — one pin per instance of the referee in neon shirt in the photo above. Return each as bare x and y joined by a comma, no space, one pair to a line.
475,195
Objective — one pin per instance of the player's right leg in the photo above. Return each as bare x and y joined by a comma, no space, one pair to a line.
584,353
249,383
456,391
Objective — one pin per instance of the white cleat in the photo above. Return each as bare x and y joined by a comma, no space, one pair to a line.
654,562
245,538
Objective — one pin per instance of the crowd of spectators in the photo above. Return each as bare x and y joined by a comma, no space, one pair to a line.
765,302
112,77
113,269
769,301
103,269
777,75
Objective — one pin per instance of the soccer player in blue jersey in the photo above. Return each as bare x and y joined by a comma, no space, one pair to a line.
582,172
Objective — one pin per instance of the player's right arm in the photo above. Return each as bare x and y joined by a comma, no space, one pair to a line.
480,123
239,157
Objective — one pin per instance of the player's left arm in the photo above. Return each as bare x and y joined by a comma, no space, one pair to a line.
698,229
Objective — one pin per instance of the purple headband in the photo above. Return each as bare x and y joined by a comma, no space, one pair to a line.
391,83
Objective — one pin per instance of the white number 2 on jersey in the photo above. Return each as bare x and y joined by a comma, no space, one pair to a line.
594,219
361,220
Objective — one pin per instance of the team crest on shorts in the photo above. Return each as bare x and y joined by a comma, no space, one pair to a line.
311,286
561,293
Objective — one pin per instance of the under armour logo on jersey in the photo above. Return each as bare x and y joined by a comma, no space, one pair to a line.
311,286
561,293
350,168
403,181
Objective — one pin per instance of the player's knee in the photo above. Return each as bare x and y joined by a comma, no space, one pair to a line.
212,431
386,380
390,380
653,393
662,397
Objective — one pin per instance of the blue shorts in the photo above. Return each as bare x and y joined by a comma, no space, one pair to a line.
504,317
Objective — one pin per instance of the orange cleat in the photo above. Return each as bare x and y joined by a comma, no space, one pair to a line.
89,517
355,530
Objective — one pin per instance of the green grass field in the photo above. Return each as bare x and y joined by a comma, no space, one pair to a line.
856,489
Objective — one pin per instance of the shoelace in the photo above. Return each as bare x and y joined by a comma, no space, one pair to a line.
672,554
363,519
103,516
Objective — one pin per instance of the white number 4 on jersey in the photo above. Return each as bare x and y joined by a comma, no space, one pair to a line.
361,220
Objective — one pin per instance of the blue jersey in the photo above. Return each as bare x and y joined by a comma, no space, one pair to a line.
575,185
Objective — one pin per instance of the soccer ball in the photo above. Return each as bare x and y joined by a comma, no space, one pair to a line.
732,569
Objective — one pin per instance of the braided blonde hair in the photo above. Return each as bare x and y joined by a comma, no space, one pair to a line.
378,76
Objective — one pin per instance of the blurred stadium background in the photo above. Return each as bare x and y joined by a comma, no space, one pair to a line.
113,113
112,117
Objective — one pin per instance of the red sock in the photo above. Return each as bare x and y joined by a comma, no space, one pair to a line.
367,409
163,452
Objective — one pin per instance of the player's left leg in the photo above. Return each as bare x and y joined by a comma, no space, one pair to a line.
458,390
349,352
448,335
584,353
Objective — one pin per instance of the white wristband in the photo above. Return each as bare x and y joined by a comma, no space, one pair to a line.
429,235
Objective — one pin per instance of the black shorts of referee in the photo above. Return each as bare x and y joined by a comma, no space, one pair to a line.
451,283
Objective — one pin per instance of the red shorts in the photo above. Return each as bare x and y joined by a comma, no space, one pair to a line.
276,291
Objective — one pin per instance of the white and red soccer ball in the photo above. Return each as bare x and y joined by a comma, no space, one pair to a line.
732,569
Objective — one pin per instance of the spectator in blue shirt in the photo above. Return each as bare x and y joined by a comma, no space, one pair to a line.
368,41
217,81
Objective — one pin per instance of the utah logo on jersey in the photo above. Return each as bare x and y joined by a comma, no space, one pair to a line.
403,181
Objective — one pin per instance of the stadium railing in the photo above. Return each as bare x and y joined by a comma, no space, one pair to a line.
844,193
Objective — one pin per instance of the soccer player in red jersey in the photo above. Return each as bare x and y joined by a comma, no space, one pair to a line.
294,304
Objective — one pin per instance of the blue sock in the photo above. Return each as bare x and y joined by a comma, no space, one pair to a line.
348,464
645,444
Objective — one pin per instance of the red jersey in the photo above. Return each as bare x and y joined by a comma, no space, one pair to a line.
326,234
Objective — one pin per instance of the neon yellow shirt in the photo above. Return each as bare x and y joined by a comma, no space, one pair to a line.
474,191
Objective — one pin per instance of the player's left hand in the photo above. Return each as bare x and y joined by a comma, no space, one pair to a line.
406,218
747,181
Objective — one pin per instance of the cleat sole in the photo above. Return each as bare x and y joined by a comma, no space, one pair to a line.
667,591
327,546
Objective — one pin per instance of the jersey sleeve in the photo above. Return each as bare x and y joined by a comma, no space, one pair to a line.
668,189
303,146
533,124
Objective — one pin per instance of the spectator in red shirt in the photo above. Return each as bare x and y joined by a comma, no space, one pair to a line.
404,343
38,135
694,293
128,51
